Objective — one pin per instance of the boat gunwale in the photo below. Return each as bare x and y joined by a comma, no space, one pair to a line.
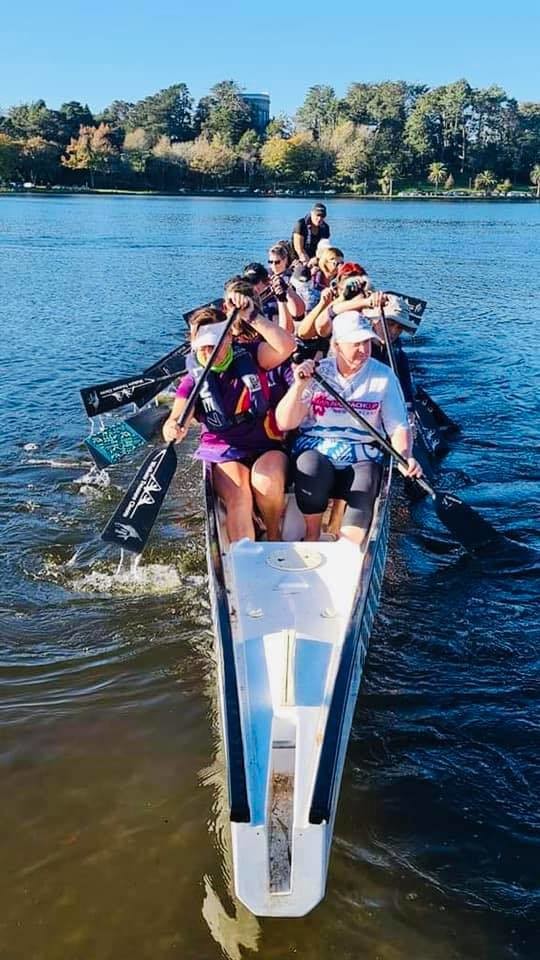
331,756
239,809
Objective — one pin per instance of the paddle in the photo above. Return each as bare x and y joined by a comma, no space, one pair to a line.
439,416
121,438
133,519
139,389
416,305
464,523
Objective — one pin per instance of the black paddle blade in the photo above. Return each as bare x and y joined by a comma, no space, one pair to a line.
466,525
105,397
132,521
441,418
434,441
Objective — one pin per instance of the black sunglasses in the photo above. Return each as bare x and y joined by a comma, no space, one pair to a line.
273,262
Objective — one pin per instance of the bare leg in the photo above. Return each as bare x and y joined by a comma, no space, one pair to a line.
231,482
313,526
268,484
336,517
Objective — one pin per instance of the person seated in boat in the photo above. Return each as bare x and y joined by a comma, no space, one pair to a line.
280,263
398,321
236,410
274,293
353,292
332,455
324,274
350,290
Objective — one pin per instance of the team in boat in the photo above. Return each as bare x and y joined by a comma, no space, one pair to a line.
265,421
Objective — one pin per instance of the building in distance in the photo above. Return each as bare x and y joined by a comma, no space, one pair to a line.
259,104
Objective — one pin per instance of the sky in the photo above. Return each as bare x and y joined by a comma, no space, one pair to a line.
118,50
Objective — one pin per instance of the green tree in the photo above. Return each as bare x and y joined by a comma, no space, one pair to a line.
319,111
535,178
10,152
224,113
91,151
248,151
32,120
280,126
71,117
485,181
40,160
504,187
166,113
386,180
437,173
350,149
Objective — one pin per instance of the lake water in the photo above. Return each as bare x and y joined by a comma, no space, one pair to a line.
113,827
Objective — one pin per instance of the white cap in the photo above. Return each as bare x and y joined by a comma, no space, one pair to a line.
322,245
396,309
352,327
209,335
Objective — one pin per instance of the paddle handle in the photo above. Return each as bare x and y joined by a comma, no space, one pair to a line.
194,395
378,437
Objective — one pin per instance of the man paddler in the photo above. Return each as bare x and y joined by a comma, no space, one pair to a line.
308,231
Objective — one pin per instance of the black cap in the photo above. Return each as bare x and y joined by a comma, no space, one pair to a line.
255,272
320,208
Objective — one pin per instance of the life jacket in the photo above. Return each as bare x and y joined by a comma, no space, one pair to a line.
311,239
210,402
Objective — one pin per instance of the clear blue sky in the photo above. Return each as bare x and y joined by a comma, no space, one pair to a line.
100,51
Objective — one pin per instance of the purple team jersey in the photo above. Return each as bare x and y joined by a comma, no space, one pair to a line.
248,440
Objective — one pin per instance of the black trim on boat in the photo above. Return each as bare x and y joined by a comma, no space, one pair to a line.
236,768
328,776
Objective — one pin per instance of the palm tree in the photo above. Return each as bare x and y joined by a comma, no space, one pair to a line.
535,178
388,175
486,181
437,174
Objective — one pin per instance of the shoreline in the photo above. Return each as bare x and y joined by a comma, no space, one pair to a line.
233,194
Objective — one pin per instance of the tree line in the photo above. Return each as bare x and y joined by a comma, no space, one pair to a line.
377,136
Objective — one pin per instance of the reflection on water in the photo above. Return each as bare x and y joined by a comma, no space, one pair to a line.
115,840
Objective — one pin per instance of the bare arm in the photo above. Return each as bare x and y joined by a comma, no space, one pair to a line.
170,430
277,346
402,441
299,249
291,409
284,317
308,328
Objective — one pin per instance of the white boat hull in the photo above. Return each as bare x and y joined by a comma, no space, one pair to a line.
292,623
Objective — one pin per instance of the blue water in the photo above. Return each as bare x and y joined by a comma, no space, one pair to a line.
112,809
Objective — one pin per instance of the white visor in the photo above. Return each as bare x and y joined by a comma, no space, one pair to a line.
209,335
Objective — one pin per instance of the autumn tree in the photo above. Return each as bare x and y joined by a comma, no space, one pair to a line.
91,151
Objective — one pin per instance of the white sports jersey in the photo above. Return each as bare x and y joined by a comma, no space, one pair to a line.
374,392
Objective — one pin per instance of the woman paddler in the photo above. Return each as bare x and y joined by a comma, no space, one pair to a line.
332,455
236,410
